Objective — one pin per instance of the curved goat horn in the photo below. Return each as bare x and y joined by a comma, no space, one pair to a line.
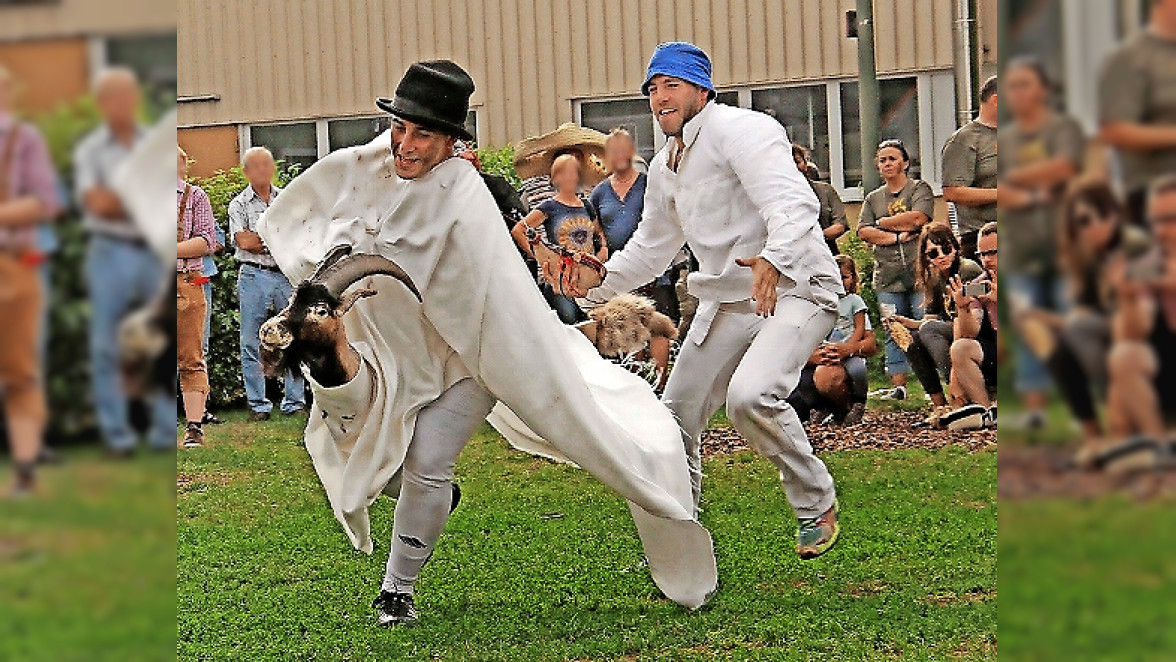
342,274
334,255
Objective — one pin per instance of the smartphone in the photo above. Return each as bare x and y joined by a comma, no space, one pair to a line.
1146,270
979,289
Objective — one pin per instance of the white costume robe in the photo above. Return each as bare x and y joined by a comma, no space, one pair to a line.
482,316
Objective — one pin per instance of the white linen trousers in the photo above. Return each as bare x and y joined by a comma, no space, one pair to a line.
752,364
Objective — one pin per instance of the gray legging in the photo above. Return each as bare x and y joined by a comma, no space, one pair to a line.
423,484
937,336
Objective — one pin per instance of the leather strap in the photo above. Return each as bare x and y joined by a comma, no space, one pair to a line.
6,158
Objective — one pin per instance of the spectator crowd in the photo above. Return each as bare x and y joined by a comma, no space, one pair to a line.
1090,262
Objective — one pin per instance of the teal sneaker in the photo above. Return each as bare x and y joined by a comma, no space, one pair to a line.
817,535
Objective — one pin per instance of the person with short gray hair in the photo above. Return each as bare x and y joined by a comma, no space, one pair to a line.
262,290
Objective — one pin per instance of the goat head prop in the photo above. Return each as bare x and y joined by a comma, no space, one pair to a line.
310,329
625,325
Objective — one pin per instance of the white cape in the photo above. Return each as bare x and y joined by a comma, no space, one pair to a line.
482,316
145,183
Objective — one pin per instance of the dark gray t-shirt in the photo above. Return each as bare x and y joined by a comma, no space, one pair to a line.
969,159
1028,236
894,266
1138,85
832,210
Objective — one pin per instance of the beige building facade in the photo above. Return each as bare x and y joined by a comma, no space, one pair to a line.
300,76
56,47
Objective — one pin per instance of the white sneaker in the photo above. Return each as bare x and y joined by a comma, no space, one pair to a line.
890,394
1029,421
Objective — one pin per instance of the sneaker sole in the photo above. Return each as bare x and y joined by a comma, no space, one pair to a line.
393,622
809,553
812,553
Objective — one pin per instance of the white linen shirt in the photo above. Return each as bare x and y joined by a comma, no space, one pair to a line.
736,194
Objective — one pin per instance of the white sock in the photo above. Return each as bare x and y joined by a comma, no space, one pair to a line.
393,585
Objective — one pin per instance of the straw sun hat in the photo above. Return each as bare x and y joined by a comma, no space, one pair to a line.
534,155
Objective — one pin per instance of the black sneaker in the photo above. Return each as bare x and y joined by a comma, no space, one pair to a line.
395,609
211,419
193,435
256,416
26,479
968,417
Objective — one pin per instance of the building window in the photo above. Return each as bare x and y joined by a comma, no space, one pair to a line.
295,144
824,116
899,101
804,112
471,124
630,114
153,59
351,132
302,143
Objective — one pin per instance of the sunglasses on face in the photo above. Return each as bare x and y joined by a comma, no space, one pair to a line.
935,252
991,253
1083,221
1166,219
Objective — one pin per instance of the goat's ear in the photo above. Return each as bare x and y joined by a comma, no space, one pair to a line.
349,300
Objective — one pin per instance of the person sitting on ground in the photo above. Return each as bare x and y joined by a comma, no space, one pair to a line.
938,261
1142,363
569,222
1096,236
974,350
835,379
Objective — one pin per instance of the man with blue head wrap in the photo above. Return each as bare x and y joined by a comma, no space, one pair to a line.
767,285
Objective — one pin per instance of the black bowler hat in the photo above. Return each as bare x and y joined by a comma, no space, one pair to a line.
435,94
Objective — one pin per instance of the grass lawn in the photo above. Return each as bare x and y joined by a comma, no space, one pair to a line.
543,563
87,567
1087,580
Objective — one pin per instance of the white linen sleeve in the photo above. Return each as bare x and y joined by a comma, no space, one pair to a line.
761,156
647,255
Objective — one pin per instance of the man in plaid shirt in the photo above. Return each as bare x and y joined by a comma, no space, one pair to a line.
195,238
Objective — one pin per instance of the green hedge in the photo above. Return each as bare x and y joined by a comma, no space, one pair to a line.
224,346
67,365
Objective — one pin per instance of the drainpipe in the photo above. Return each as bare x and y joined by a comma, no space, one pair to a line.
967,65
868,102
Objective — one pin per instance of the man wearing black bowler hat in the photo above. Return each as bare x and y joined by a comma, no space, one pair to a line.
478,343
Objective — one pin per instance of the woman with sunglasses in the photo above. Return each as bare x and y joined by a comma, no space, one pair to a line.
1095,238
938,263
892,217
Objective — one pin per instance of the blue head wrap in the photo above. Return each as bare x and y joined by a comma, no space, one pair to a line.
682,60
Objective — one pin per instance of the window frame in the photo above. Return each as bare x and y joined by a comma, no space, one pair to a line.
322,130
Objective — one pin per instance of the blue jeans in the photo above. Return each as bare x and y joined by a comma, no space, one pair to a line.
907,304
122,277
1044,292
567,309
263,293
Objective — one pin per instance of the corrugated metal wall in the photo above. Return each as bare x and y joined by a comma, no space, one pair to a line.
273,60
67,18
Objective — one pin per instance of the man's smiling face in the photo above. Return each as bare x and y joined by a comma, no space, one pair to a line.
417,149
674,102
